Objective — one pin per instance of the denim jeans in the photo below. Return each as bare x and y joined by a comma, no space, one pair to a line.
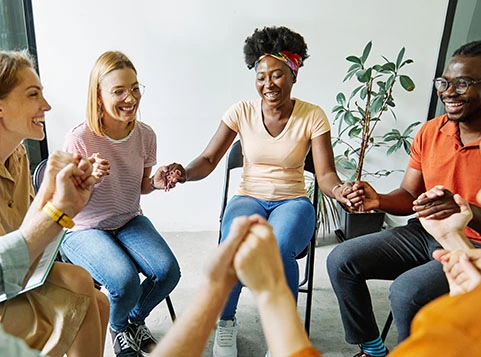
402,254
293,223
114,258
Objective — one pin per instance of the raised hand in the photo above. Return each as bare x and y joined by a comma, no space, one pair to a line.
101,167
166,177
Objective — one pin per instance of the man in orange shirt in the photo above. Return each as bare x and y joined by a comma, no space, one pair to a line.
445,152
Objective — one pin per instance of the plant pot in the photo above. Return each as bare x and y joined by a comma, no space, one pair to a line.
357,224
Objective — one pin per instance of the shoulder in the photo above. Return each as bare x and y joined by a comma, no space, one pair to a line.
436,123
306,107
145,130
80,129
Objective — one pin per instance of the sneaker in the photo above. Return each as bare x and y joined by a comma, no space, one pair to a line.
225,344
143,338
123,343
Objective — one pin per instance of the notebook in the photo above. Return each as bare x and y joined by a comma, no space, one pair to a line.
43,268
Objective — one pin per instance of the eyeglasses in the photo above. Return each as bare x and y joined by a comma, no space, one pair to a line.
460,85
121,93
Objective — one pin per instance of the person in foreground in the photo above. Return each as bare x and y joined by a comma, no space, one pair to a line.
276,132
112,239
448,326
66,314
250,254
443,153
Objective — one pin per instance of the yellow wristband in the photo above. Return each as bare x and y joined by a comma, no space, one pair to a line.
57,215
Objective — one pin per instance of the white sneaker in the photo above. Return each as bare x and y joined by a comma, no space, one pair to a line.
225,344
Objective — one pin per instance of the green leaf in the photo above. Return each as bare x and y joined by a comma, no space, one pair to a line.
337,108
389,66
363,92
355,91
365,52
354,132
349,118
364,76
354,59
376,105
341,99
410,128
394,134
408,61
400,57
407,83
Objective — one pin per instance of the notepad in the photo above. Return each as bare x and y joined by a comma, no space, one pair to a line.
43,267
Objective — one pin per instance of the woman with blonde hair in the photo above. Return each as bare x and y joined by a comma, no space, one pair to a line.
112,239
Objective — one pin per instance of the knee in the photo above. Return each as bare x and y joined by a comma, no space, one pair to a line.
336,259
72,277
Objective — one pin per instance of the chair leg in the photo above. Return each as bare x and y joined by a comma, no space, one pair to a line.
171,308
387,326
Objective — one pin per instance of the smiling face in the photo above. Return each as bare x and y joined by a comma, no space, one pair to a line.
463,107
274,81
116,109
22,111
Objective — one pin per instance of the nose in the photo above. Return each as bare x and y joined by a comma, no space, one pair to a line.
130,97
46,106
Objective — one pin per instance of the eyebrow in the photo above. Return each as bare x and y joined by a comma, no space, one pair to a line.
34,87
119,86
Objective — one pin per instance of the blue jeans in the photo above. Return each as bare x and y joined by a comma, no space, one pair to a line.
293,223
402,254
114,258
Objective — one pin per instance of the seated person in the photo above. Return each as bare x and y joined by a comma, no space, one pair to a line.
66,314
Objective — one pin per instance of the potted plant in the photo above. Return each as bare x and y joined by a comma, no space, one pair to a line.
357,117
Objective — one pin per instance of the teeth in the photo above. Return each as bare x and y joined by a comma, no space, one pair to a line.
128,108
270,94
38,120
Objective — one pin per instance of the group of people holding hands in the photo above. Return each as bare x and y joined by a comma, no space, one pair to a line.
107,164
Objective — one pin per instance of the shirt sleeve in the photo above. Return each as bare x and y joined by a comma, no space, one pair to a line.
14,263
307,352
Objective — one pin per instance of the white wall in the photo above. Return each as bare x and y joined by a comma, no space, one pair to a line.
189,55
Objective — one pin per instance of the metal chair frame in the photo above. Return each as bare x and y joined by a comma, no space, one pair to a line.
37,178
235,159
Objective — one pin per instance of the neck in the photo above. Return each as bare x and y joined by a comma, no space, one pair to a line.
118,130
283,110
7,147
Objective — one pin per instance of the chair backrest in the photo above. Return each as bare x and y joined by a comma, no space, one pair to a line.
38,174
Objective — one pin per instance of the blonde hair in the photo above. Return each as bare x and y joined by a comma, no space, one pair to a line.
106,63
11,63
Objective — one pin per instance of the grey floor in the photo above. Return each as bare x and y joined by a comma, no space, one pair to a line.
193,250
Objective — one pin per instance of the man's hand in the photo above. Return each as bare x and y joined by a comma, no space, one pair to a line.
450,227
437,203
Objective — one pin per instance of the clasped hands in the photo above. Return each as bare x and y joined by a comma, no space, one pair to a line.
249,254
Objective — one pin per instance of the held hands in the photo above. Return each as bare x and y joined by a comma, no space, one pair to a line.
357,196
437,203
462,269
166,177
250,254
451,225
101,167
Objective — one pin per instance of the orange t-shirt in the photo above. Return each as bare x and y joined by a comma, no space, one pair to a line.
438,153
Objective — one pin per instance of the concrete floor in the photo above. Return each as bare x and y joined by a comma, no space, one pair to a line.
193,249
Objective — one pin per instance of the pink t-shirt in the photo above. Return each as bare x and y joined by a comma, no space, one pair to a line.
274,166
115,200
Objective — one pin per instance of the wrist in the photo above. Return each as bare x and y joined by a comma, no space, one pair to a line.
58,215
152,185
335,188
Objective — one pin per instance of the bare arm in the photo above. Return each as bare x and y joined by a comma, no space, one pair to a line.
191,331
326,174
207,161
69,196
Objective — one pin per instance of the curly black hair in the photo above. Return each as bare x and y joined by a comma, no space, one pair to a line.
273,40
471,49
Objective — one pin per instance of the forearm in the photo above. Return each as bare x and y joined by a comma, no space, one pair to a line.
454,240
190,332
282,326
398,202
199,168
328,182
38,230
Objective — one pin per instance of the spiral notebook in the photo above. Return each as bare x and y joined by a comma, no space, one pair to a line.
43,268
